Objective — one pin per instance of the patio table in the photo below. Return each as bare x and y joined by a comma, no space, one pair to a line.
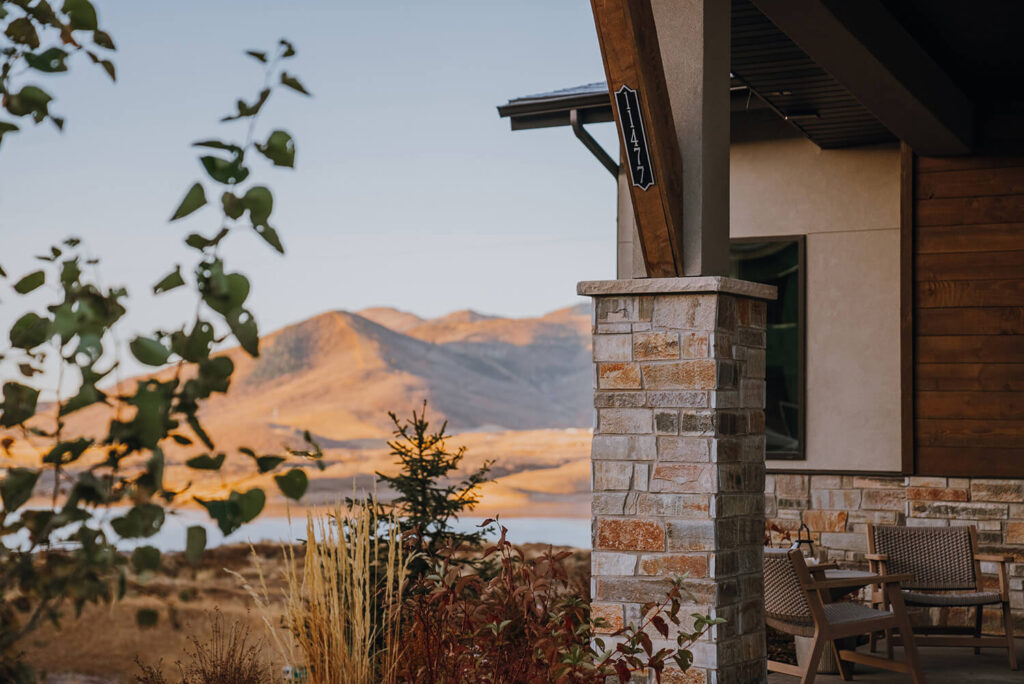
839,592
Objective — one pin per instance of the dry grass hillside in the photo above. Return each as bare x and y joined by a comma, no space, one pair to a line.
516,391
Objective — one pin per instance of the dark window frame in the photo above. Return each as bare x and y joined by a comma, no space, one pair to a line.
801,241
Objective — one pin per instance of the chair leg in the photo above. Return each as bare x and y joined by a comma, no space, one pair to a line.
910,649
888,632
844,668
813,660
875,602
1010,645
899,610
977,627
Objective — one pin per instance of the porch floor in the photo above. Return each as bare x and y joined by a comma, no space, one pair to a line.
941,666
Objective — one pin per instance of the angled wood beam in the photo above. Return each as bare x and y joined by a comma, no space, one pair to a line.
873,56
643,115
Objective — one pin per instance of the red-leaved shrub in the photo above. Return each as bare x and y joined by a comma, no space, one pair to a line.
530,622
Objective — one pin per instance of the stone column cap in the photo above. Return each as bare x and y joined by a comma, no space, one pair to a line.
692,285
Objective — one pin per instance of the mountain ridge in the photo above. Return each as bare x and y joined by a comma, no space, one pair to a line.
339,373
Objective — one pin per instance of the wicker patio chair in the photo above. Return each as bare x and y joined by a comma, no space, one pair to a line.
797,602
946,569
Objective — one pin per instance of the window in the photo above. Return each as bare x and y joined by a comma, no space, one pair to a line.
779,262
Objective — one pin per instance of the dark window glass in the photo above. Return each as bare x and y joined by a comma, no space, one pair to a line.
778,263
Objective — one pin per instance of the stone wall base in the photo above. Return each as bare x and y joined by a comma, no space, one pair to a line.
838,508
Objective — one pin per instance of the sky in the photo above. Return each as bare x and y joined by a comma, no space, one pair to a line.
409,190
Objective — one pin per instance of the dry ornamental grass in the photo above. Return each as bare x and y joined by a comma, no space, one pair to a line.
342,604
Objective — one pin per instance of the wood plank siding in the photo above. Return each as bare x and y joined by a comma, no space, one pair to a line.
967,261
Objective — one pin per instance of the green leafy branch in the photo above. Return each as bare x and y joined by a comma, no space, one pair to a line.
39,42
122,472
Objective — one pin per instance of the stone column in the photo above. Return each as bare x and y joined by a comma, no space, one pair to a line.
678,459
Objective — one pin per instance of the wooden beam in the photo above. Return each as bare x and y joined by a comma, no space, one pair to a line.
632,62
873,56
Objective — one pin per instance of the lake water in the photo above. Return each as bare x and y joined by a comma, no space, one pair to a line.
557,531
171,537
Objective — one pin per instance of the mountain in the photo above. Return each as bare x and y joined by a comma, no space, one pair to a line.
339,373
514,389
390,318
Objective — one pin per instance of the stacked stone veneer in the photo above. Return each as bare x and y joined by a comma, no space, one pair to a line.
838,508
678,464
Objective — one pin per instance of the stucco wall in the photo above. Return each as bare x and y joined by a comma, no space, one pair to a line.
847,204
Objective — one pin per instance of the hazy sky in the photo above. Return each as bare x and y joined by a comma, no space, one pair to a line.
409,191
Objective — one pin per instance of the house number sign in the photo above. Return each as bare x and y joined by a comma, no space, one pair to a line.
633,138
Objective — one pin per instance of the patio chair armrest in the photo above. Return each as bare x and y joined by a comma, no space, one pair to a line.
993,557
864,581
876,556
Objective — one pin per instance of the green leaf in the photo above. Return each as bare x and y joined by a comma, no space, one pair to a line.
146,617
236,510
194,198
244,328
169,281
29,100
143,520
260,202
19,404
266,232
6,127
195,544
29,331
67,452
224,171
293,483
257,55
215,374
197,428
49,61
30,282
289,49
279,148
227,295
108,66
70,272
293,83
233,206
103,40
22,31
267,463
206,462
225,512
219,145
146,558
247,110
250,504
82,14
149,351
16,488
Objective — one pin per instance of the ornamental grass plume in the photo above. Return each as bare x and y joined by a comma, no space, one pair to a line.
341,619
